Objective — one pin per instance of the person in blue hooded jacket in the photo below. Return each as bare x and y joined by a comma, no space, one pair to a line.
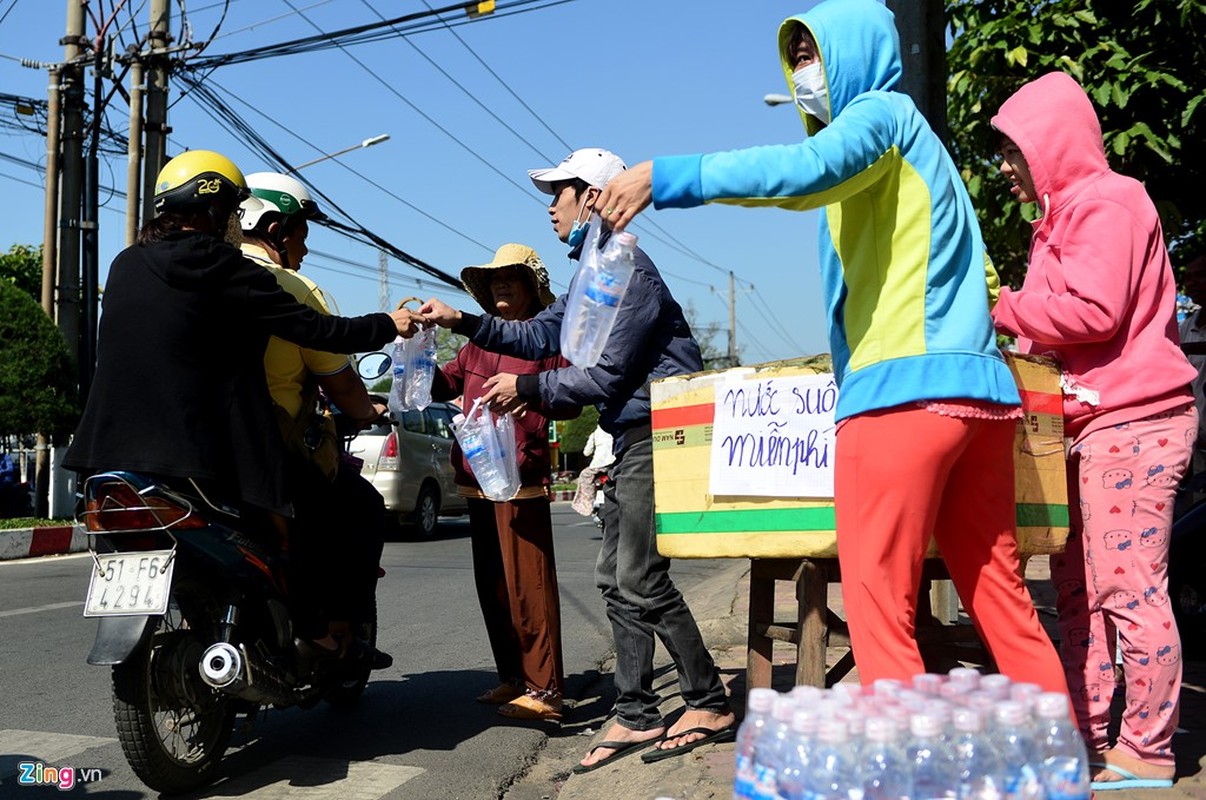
928,406
650,340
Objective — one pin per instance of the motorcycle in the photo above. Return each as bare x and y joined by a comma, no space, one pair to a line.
193,619
600,480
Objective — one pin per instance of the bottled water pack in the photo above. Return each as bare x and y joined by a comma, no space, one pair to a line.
489,446
960,736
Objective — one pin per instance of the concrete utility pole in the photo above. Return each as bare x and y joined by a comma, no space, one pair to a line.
134,153
50,251
383,280
922,28
71,187
156,127
732,321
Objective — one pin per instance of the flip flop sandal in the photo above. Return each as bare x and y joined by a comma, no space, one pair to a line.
621,749
1129,780
710,736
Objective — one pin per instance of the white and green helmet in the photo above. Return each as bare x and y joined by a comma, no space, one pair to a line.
278,194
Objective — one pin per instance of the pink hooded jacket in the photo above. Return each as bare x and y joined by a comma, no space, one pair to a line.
1099,293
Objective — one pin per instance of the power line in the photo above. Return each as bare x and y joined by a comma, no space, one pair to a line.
9,11
498,78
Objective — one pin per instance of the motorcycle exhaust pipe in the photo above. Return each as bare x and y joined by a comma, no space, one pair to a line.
222,667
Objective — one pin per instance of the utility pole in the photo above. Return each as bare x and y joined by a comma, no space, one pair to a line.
50,251
71,188
922,28
134,153
732,321
383,280
156,127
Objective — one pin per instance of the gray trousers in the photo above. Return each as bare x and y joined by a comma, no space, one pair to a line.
643,602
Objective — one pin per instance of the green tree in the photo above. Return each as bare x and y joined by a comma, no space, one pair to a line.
573,433
21,266
1140,62
37,378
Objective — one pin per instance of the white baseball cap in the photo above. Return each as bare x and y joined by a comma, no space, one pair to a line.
594,165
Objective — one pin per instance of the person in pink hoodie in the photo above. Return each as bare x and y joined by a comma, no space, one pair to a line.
1100,296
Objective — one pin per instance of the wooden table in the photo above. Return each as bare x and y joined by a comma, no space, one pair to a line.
817,627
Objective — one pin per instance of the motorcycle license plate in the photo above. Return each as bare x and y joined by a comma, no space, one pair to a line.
130,583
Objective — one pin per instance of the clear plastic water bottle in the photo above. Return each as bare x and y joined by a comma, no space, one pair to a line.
770,748
1013,737
886,771
595,298
928,683
1064,761
758,705
999,686
981,775
397,391
478,446
798,750
935,775
833,773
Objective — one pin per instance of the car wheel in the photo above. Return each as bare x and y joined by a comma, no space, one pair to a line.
427,511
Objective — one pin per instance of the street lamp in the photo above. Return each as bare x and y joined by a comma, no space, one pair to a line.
778,99
366,143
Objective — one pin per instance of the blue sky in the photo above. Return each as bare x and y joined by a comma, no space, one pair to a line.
640,77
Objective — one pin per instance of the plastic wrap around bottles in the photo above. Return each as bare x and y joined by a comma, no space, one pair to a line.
595,295
489,446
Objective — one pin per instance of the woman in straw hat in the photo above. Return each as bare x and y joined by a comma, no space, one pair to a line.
513,563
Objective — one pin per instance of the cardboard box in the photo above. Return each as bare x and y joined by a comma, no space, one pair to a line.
692,523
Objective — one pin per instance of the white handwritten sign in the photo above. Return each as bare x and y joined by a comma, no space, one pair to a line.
773,437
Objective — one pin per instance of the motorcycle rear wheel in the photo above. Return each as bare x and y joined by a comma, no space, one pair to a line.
173,727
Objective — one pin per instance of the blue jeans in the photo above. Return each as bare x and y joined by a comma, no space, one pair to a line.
642,600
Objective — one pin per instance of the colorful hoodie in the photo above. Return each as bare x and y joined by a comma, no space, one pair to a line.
1099,292
903,267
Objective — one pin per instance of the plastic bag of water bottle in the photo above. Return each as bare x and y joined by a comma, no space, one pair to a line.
595,295
397,390
420,368
489,450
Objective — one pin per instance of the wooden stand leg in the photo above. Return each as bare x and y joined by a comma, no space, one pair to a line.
812,599
761,615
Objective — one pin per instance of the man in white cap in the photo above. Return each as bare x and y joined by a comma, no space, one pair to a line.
650,340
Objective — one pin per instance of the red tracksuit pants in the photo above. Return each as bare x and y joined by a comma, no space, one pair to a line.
903,475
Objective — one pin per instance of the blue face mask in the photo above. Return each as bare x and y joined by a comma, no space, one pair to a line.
577,233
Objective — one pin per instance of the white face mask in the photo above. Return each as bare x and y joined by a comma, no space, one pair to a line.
812,96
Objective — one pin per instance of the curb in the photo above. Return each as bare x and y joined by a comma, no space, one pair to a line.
36,542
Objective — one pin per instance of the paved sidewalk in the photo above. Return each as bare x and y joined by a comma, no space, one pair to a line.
720,604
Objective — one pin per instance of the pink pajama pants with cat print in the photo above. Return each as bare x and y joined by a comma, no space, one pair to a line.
1112,581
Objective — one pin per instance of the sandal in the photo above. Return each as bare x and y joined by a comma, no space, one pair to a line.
529,706
504,692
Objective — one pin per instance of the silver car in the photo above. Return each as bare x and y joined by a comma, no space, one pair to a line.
408,462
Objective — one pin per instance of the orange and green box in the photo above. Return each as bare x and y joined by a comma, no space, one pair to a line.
693,523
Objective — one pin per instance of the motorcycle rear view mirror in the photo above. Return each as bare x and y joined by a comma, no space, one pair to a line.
373,365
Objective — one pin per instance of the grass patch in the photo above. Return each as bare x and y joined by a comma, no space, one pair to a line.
564,487
11,523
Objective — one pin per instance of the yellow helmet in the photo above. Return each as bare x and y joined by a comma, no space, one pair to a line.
199,178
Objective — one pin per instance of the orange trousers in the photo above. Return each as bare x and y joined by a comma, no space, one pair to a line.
903,475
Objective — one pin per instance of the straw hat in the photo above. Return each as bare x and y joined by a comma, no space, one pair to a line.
477,279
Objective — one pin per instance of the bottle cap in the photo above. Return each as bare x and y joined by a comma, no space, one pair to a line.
1010,712
968,720
804,720
627,239
882,729
833,731
1051,705
925,725
761,699
785,706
